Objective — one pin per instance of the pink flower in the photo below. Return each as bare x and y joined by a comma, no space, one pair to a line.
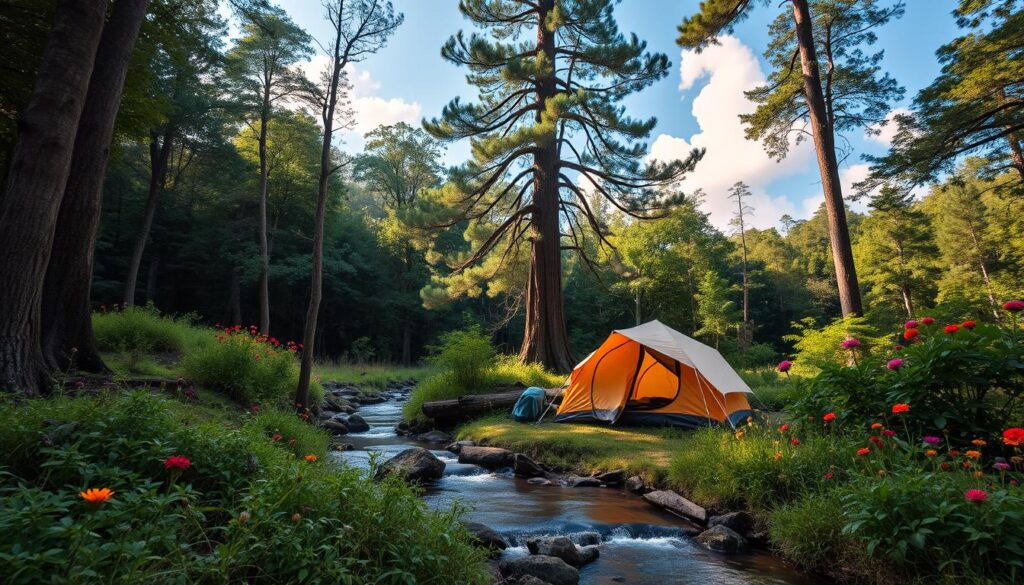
784,366
1013,306
1001,465
829,475
976,495
927,320
889,433
895,364
850,343
177,462
932,440
912,324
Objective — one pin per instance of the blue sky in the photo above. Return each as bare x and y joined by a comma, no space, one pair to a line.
696,104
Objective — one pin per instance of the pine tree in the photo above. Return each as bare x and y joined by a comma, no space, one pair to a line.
551,84
738,193
716,312
839,89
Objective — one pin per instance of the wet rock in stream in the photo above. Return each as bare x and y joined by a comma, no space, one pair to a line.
415,464
741,522
485,536
722,539
551,570
564,548
526,467
458,445
677,504
356,424
486,457
435,437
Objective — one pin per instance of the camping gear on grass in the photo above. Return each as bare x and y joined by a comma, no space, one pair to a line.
529,405
654,375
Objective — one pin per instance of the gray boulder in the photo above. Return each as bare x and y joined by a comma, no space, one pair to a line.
458,445
587,538
356,424
588,554
722,539
551,570
526,467
740,522
435,437
677,504
581,482
538,481
489,457
485,536
527,580
414,464
555,546
611,477
635,485
371,399
336,426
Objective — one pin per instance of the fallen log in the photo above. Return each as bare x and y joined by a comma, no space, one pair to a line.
474,405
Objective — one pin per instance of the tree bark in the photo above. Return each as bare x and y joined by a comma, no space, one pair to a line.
546,339
908,302
39,169
159,155
824,146
264,280
66,310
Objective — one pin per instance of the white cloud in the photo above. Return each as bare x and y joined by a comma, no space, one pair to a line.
887,131
730,68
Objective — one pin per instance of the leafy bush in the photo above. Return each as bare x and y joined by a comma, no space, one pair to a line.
244,508
819,348
144,330
465,355
248,367
809,531
962,385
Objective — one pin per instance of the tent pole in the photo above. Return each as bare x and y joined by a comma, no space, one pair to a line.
550,403
701,390
725,411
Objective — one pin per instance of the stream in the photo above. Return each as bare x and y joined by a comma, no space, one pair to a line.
641,544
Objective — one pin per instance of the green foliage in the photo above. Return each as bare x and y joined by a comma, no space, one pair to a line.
962,385
717,313
819,348
144,330
246,501
465,355
809,531
361,351
248,368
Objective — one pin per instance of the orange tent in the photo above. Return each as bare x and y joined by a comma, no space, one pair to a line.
654,375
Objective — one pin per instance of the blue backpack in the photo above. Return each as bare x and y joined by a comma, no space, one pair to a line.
530,405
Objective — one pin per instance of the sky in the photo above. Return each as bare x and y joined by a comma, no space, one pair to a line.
697,104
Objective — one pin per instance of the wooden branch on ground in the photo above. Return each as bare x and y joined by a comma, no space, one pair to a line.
474,405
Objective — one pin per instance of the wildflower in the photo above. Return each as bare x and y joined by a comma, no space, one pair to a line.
897,347
968,324
784,366
243,517
951,329
881,473
931,453
945,466
740,434
784,427
794,441
97,496
255,408
910,334
976,495
190,393
900,408
864,451
912,324
979,474
276,437
972,454
876,426
310,458
829,417
177,462
778,455
966,464
1013,306
895,364
979,442
1013,437
296,517
889,433
875,439
1001,465
829,475
1017,459
1014,483
927,320
851,343
954,452
931,439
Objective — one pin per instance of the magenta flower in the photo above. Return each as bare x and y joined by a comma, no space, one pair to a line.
1001,465
1013,306
851,343
976,495
931,439
895,364
912,324
889,433
785,365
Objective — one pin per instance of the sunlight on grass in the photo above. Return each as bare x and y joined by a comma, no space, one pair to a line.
370,376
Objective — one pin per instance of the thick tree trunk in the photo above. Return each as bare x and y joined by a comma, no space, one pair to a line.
66,310
159,155
264,281
824,146
546,339
38,174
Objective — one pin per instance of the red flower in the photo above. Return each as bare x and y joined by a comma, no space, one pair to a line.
976,495
954,452
794,441
945,466
864,451
177,462
951,329
968,324
276,437
889,433
785,365
829,417
900,407
910,334
1014,437
927,320
1013,306
784,427
829,475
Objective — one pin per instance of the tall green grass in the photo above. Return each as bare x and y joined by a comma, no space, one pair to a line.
145,330
370,376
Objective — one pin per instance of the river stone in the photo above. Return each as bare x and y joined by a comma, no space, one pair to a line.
371,399
458,445
722,539
527,580
677,504
526,467
435,437
326,414
336,426
356,424
587,538
551,570
332,403
584,482
489,457
635,484
555,546
588,554
611,477
415,464
485,536
538,481
740,522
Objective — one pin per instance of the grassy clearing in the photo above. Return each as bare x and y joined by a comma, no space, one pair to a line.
373,376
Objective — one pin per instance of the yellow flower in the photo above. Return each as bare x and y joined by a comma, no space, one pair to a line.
973,454
310,458
97,496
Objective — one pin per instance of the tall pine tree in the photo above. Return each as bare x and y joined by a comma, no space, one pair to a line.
550,82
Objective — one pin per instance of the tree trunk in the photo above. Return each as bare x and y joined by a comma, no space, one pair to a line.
39,169
636,307
824,146
546,339
66,310
159,155
264,281
407,313
908,302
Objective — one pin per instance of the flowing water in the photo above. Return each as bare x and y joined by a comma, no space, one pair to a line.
641,544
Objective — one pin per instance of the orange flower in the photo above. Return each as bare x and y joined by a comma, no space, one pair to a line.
978,474
310,458
979,442
778,455
973,454
900,407
876,426
864,451
931,453
740,434
97,496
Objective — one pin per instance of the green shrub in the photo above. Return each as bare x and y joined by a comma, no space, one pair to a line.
820,347
247,368
144,330
465,355
810,532
246,510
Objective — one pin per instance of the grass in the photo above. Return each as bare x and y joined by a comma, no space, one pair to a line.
372,376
